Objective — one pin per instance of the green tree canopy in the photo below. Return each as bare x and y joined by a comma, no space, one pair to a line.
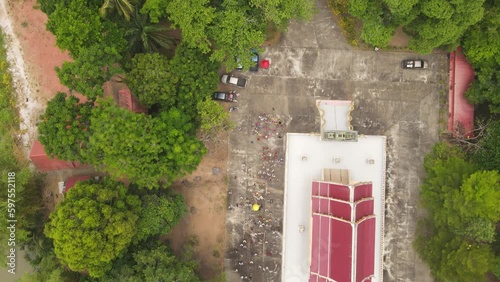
279,12
193,18
443,22
159,214
124,8
146,37
93,225
154,262
94,66
234,34
488,156
214,118
455,237
151,79
198,78
144,149
482,47
76,26
64,127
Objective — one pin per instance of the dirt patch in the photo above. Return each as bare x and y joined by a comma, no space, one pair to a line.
205,193
41,55
400,39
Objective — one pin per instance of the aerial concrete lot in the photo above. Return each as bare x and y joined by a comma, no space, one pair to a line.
311,62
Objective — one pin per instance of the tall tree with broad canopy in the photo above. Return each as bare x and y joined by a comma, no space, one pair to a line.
234,34
152,80
64,127
482,47
280,12
488,156
199,78
124,8
76,26
93,225
94,65
193,18
146,37
152,262
148,151
230,28
455,195
214,119
443,22
159,214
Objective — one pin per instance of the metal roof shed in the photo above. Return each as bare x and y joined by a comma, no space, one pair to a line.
45,163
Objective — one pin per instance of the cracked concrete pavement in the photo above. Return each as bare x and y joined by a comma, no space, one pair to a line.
313,61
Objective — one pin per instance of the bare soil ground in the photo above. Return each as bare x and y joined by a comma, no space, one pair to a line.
204,191
400,39
39,48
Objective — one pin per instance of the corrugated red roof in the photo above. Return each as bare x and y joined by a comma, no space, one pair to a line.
461,112
46,163
70,182
343,232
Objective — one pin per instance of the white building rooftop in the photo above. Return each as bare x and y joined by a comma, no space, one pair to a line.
306,156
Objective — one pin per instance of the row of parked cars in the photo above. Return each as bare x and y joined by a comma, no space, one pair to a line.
230,79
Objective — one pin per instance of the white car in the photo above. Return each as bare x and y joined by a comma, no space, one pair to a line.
414,64
233,80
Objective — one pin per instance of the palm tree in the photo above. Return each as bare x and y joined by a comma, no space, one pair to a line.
145,37
124,8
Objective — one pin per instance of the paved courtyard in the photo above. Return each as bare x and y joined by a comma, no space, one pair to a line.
311,62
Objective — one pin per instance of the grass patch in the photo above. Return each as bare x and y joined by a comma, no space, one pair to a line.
348,24
25,24
273,35
36,7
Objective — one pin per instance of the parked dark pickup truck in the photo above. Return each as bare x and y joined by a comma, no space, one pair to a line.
225,96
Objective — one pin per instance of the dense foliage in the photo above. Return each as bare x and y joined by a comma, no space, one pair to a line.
159,214
64,127
456,237
488,156
214,119
482,47
76,26
198,78
152,80
432,23
25,186
229,28
93,225
146,150
152,262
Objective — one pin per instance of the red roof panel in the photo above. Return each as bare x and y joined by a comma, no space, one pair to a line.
45,163
461,113
363,209
340,250
365,253
332,246
340,210
70,182
362,191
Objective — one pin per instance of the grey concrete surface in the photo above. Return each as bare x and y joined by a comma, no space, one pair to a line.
313,61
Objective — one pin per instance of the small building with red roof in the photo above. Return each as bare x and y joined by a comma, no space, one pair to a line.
461,112
71,181
43,162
